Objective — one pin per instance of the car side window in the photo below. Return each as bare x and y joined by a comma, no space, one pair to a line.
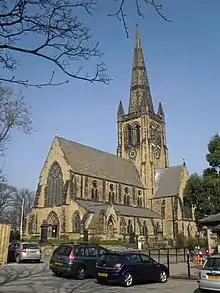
63,250
14,246
145,258
79,251
133,258
91,251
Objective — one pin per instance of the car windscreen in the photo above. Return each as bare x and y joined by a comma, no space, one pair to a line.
63,250
30,245
212,263
111,257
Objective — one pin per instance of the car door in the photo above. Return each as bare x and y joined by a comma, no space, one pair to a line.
150,269
134,262
91,253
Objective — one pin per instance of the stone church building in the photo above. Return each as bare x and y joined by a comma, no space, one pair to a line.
113,195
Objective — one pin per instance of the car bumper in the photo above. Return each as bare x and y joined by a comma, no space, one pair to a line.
30,257
209,285
62,269
111,276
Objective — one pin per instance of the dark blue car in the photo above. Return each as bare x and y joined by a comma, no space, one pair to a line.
127,268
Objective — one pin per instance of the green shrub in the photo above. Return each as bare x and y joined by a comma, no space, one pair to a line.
116,242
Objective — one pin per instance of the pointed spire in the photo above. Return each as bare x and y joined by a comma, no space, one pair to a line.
160,111
120,111
139,79
184,162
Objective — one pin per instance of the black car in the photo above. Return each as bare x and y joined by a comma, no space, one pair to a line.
77,260
129,267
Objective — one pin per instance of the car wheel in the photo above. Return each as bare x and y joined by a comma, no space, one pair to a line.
37,261
163,277
102,281
18,259
127,280
58,274
81,273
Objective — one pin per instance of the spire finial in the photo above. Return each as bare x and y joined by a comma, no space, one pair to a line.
184,162
57,132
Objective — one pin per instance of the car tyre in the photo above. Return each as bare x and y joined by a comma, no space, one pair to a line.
101,281
163,277
57,274
81,273
18,259
127,279
38,261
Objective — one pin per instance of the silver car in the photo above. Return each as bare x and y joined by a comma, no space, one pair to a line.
20,251
209,276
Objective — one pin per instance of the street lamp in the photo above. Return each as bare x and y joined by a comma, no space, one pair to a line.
22,217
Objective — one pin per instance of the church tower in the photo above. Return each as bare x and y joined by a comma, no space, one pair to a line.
141,132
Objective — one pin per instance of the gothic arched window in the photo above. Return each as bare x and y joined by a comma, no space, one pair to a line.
111,196
139,200
136,135
31,224
163,208
130,227
128,135
126,197
76,223
54,195
94,190
144,229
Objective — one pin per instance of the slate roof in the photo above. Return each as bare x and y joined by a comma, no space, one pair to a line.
211,219
96,163
168,181
129,211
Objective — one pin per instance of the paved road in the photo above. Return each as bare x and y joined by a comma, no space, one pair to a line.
34,278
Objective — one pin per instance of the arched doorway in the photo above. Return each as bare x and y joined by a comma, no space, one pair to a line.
53,222
111,227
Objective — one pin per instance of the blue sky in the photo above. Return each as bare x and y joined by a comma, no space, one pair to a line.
183,64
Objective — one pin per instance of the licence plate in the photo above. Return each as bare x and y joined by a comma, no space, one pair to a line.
103,275
214,277
32,252
58,264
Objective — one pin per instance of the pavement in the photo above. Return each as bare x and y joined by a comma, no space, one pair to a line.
34,278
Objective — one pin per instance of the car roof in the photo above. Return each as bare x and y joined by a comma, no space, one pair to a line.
123,252
215,256
72,244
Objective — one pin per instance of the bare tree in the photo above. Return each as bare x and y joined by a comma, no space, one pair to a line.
60,37
14,113
6,198
139,6
15,209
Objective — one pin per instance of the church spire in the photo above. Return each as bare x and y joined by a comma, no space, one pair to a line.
139,80
160,111
120,111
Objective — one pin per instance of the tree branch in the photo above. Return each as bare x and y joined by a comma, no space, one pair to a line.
63,38
121,16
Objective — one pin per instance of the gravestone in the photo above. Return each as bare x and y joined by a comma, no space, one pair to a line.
85,235
44,231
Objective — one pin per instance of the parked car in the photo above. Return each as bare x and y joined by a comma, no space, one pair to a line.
209,275
20,251
129,267
78,260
